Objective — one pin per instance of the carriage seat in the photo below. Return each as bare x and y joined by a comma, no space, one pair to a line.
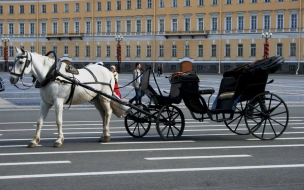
206,91
226,95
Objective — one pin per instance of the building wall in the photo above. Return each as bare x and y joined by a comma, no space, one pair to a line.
156,37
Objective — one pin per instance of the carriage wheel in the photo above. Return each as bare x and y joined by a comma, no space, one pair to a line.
138,124
266,116
170,122
237,124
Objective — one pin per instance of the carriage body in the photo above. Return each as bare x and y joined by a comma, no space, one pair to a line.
242,103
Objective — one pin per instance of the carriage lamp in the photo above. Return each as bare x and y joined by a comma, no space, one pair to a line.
266,35
118,38
5,40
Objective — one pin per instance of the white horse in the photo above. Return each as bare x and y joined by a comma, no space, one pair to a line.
57,93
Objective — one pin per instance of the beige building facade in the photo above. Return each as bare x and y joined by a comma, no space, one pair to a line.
208,36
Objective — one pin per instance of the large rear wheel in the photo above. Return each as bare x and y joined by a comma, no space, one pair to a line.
266,116
170,122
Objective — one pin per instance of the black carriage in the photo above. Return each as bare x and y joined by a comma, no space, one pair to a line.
242,103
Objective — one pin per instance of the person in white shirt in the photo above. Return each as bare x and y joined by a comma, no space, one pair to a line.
136,83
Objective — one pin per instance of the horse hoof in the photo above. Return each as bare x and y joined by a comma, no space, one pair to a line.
104,139
31,145
57,145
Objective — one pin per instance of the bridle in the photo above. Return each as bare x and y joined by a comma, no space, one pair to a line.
27,63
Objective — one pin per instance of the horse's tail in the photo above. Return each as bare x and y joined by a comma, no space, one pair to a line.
119,110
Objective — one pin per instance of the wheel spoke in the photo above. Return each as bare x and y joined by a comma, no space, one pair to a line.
278,113
274,132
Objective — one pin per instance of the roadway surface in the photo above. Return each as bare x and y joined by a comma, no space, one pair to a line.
207,156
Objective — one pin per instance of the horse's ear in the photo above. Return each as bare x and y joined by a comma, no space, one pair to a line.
18,50
22,50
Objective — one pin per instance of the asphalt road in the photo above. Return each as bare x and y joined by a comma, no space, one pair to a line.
207,156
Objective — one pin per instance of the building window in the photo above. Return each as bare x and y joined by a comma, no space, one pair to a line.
11,28
1,52
200,2
11,51
43,9
1,9
200,24
108,51
161,4
293,49
253,22
199,67
241,1
214,2
88,27
240,23
128,26
108,5
214,23
118,26
149,4
118,5
187,3
294,21
187,24
32,9
137,51
253,50
227,50
266,21
138,25
55,28
161,51
173,67
240,50
253,1
187,51
66,8
212,68
1,28
280,21
54,8
174,3
228,23
32,28
77,27
43,50
213,50
98,27
32,48
173,51
109,25
266,1
128,5
200,51
87,51
66,49
98,51
76,51
174,24
21,28
88,7
98,6
161,25
149,50
43,28
66,27
280,49
292,68
11,9
138,4
76,7
228,2
149,25
127,50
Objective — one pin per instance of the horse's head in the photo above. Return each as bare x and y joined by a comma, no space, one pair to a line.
21,66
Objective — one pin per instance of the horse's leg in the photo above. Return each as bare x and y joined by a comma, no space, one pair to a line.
58,111
44,109
105,110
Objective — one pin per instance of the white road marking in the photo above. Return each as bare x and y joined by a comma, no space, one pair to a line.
15,146
151,149
151,171
198,157
280,138
148,142
34,163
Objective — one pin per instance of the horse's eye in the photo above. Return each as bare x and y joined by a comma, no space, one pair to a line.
21,62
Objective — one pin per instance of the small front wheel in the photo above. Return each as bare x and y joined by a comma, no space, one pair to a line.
266,116
137,123
170,122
